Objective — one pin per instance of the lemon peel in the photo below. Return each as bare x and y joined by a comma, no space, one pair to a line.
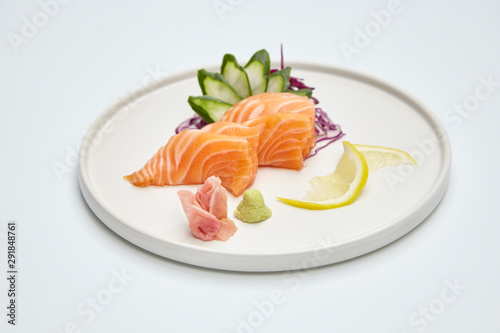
343,186
339,188
379,157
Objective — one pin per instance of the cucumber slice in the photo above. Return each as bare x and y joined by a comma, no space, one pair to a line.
235,76
279,81
257,69
301,92
215,85
209,108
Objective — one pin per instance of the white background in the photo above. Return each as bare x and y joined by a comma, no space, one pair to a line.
63,64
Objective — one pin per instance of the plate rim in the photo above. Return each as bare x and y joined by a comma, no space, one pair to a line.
158,246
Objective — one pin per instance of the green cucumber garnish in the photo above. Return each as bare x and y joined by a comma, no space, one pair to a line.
209,108
236,76
215,85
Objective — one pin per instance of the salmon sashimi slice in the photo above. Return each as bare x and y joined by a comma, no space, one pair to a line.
206,211
285,139
300,108
251,134
269,103
192,156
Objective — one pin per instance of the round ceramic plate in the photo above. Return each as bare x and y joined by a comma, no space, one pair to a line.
394,201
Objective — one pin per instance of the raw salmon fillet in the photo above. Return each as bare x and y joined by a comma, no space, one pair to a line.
192,156
286,121
251,134
269,103
285,139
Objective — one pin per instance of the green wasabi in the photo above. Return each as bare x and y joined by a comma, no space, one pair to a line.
251,208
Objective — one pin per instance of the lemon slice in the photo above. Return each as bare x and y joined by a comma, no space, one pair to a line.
339,188
380,157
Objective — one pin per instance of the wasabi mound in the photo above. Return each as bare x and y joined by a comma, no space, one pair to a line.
252,208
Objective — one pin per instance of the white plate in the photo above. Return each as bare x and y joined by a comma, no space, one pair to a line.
394,201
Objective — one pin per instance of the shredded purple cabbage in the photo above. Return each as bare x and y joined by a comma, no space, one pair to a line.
195,122
298,84
326,130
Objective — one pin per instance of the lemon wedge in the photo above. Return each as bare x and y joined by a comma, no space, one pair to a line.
380,157
339,188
